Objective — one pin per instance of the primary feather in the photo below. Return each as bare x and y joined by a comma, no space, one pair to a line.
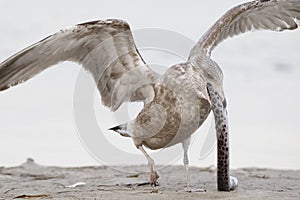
275,15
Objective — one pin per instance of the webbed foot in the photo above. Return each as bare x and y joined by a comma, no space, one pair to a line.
153,178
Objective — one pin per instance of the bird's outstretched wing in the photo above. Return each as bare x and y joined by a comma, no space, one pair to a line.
105,48
276,15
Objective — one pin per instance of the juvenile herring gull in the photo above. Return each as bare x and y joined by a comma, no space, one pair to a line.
175,104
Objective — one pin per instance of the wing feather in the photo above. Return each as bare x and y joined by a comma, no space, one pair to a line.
105,48
276,15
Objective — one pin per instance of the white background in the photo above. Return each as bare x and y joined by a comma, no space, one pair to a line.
262,82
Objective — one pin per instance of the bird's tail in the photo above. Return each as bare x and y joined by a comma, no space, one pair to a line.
121,129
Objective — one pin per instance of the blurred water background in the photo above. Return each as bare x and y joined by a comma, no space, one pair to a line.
262,83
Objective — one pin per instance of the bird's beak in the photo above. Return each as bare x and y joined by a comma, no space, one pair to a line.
116,128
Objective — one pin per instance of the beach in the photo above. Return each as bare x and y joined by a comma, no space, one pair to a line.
33,181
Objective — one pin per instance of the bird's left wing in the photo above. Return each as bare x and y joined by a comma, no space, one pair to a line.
105,48
276,15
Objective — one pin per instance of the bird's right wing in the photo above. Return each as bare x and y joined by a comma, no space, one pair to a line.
105,48
276,15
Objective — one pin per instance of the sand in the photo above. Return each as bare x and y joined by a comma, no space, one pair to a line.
33,181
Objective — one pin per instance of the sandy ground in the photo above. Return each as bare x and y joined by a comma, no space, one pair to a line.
31,181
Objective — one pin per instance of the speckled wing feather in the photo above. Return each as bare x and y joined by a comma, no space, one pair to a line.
105,48
276,15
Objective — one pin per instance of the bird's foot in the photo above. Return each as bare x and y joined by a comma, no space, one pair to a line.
233,182
153,178
191,189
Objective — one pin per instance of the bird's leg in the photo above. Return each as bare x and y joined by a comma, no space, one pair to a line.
153,175
185,146
225,181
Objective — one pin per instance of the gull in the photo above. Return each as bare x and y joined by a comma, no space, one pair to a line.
176,103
